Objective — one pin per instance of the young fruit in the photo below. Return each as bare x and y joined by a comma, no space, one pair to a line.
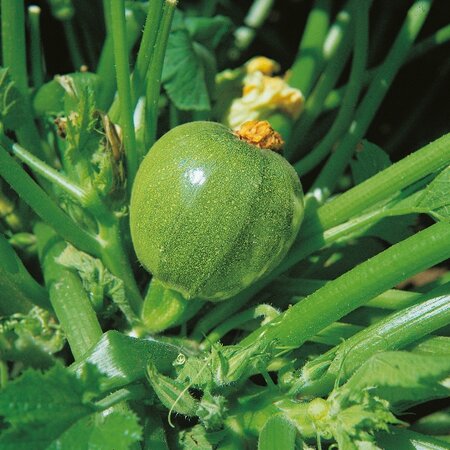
212,211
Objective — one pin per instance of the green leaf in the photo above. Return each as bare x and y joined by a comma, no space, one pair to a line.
184,75
393,229
124,359
436,197
278,432
370,160
154,433
402,378
173,394
209,31
11,102
55,97
117,430
197,438
83,137
41,406
212,411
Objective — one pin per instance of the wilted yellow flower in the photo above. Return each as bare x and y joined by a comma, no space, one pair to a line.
262,64
262,95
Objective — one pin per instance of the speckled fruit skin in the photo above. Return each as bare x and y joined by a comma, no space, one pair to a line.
210,213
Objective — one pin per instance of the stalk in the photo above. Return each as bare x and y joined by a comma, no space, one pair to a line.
37,65
310,58
155,72
144,58
391,333
106,63
115,258
15,57
146,49
118,30
346,112
237,321
385,184
342,43
335,166
356,287
392,299
47,172
67,295
35,197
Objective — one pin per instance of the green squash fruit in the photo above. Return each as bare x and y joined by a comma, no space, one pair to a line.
211,213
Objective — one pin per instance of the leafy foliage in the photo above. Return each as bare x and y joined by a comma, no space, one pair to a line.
436,197
40,407
278,432
388,375
189,69
370,159
116,430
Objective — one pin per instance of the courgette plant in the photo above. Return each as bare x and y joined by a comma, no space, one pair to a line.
166,281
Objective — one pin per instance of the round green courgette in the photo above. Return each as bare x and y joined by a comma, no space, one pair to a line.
211,212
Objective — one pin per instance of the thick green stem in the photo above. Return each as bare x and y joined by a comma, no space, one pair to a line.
67,295
391,333
47,172
337,163
310,57
342,46
37,63
356,287
146,49
106,64
115,258
155,72
118,29
165,308
35,197
144,57
392,299
390,181
15,58
342,121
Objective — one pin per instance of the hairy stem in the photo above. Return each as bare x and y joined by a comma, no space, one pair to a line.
67,295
